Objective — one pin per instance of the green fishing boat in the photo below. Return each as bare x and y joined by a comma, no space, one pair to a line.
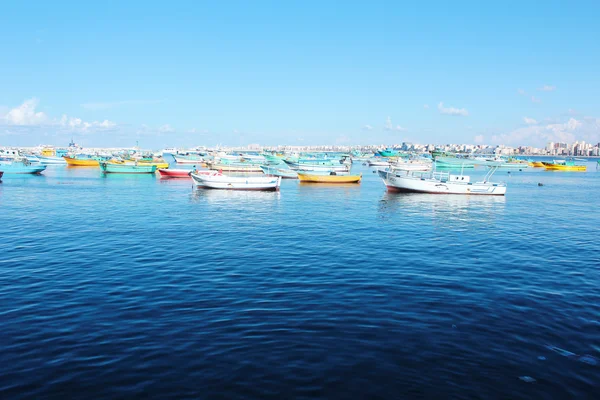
127,168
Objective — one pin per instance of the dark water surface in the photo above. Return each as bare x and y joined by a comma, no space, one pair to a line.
133,286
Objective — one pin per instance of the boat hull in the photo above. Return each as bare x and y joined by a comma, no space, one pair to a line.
79,162
174,173
413,184
329,178
21,168
52,160
284,173
559,167
110,168
224,182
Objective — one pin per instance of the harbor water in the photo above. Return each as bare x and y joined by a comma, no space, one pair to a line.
116,286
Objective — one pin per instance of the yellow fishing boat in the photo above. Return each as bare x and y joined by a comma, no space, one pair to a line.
81,162
158,164
536,164
562,165
305,177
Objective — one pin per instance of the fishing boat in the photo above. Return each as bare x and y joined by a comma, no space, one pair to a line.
82,161
189,159
454,163
282,172
220,181
440,183
387,153
331,178
21,166
156,163
116,168
52,160
536,164
565,165
234,167
378,163
174,173
327,166
1,173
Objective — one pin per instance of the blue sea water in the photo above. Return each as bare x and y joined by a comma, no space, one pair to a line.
135,286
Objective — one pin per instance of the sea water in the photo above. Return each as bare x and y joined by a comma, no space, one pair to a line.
117,286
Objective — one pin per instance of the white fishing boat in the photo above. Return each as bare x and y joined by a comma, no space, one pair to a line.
440,183
219,181
52,160
378,163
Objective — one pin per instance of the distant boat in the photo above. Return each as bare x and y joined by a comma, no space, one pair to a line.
565,165
107,167
378,163
387,153
22,166
189,159
331,178
234,167
52,160
219,181
174,173
327,166
83,161
439,183
536,164
1,173
282,172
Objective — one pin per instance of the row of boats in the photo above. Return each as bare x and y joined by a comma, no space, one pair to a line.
404,174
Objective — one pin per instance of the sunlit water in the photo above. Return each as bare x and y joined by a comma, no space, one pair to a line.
135,286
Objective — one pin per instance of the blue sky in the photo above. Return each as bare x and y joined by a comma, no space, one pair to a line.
310,72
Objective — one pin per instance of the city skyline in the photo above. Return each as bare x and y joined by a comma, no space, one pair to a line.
299,74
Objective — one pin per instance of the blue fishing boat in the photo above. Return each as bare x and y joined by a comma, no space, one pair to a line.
282,172
21,166
117,168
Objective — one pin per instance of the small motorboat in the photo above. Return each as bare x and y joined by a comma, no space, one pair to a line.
21,166
219,181
107,167
282,172
331,178
47,160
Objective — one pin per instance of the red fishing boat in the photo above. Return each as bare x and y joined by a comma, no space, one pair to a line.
181,173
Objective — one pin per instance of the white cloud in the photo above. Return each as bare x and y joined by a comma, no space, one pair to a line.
166,128
452,111
390,127
535,99
539,135
26,115
521,92
367,127
547,88
529,121
426,106
478,139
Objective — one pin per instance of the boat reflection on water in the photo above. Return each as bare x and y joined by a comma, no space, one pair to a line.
442,207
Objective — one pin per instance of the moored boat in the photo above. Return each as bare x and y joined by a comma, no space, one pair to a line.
82,162
1,173
21,166
564,165
52,160
440,183
107,167
282,172
331,178
174,173
234,167
536,164
219,181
